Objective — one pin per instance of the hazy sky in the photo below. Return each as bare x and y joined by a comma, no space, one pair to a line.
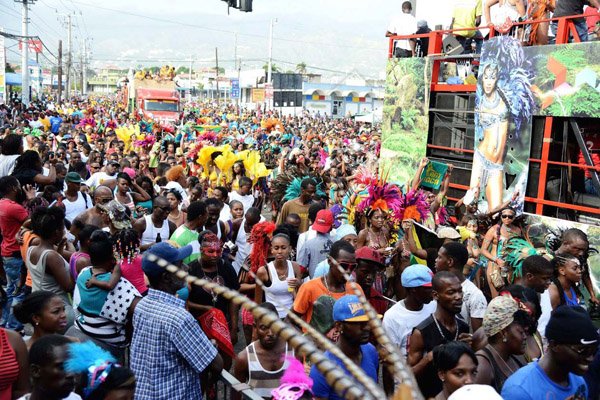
329,34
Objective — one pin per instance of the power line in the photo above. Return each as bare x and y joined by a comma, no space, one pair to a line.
180,23
47,24
16,37
15,13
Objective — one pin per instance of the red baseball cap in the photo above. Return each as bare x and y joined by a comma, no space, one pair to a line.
323,222
368,254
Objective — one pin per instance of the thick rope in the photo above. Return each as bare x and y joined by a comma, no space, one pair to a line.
387,350
324,342
335,378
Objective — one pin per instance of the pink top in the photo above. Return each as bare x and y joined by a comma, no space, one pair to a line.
134,274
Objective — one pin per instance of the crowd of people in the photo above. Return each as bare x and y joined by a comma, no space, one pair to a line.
291,213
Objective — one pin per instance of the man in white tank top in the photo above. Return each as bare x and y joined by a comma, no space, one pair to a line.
156,225
262,363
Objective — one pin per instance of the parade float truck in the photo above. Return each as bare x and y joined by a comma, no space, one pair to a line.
154,99
519,122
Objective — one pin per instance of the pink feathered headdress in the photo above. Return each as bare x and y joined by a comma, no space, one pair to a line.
294,382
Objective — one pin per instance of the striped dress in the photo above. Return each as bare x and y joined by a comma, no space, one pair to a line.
261,380
9,367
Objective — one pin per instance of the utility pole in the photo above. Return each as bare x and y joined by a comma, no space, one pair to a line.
217,61
81,66
270,70
190,76
60,71
235,50
25,51
69,55
237,67
84,67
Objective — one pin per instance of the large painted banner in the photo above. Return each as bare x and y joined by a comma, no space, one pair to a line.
504,105
567,79
405,118
541,230
3,97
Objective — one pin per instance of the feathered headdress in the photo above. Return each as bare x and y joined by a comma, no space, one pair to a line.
514,251
208,136
146,126
365,176
385,197
270,124
294,188
260,237
294,382
87,357
85,122
145,140
414,206
254,167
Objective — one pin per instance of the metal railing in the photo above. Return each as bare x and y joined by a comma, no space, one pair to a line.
565,29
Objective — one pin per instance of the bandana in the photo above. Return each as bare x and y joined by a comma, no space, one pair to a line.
499,314
214,325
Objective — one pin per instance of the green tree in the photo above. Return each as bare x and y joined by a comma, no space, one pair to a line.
9,68
153,70
301,68
274,68
182,70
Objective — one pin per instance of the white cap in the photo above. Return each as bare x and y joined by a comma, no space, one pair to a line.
445,232
475,392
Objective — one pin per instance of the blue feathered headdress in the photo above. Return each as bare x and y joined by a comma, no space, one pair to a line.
293,190
88,358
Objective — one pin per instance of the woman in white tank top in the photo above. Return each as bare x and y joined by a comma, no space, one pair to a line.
281,277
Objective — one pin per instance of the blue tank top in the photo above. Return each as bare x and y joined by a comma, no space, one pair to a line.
573,301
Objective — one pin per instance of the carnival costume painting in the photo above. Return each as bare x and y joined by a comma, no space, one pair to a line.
504,106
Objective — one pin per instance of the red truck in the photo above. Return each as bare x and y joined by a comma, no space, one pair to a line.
155,99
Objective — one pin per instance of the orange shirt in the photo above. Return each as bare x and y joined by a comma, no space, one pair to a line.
27,238
314,296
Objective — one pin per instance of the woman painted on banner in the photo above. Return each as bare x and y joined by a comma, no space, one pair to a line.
503,106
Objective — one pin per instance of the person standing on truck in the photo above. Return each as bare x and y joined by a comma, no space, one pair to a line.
403,24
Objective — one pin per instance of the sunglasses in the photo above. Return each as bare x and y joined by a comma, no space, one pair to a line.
508,216
347,265
104,201
166,208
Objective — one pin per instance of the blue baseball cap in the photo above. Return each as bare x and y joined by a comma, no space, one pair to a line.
416,275
349,309
167,252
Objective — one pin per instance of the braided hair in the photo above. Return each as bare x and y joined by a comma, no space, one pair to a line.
46,221
127,244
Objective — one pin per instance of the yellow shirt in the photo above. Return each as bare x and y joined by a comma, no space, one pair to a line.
464,15
46,123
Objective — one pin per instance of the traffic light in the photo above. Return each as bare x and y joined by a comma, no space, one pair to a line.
246,5
231,3
242,5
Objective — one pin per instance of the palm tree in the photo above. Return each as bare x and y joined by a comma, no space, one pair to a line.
274,68
301,68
